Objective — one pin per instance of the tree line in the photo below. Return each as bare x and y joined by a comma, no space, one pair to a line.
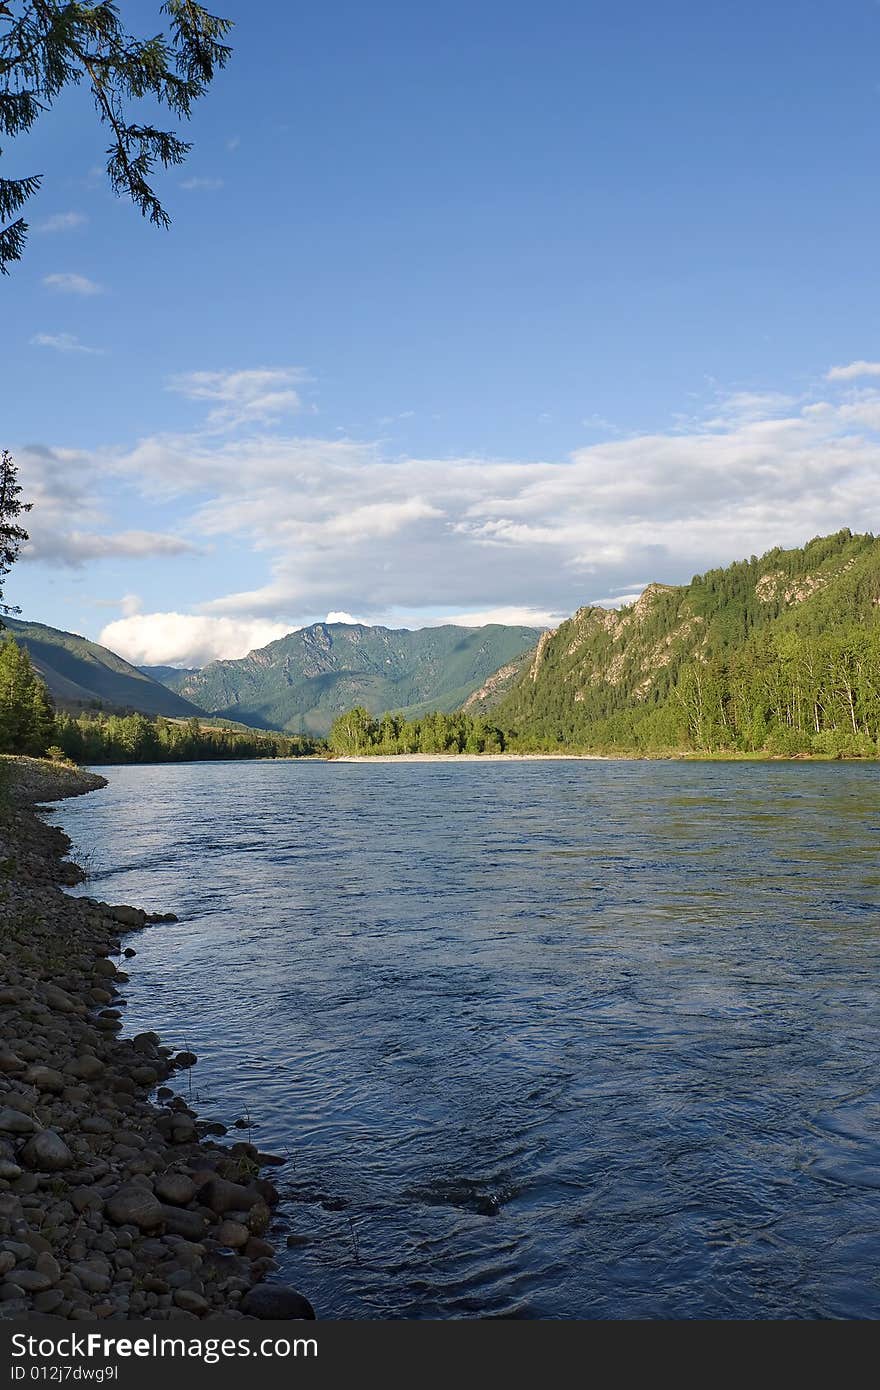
29,724
789,693
358,733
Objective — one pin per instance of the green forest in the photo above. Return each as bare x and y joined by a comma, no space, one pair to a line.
776,655
29,724
357,733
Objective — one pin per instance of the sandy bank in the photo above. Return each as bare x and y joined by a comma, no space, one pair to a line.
111,1205
476,758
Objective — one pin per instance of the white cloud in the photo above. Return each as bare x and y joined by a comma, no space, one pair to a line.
344,527
186,639
619,600
853,370
68,526
202,185
68,283
75,548
62,222
341,617
64,342
359,531
259,395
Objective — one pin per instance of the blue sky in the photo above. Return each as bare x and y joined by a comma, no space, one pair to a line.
467,310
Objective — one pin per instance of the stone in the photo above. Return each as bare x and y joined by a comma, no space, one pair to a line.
47,1264
127,916
222,1196
258,1218
175,1188
257,1249
33,1280
49,1301
44,1078
190,1301
96,1124
105,968
133,1205
233,1234
13,1121
46,1152
58,999
86,1199
144,1075
91,1279
85,1068
190,1224
183,1129
276,1302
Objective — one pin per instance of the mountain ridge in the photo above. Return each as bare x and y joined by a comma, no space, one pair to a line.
300,682
80,673
623,677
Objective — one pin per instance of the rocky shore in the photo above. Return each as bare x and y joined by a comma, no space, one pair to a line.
112,1204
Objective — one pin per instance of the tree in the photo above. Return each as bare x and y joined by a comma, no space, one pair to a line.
47,45
27,718
12,534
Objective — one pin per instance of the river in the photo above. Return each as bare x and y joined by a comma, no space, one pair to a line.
541,1040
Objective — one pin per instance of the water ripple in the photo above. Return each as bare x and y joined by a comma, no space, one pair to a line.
538,1040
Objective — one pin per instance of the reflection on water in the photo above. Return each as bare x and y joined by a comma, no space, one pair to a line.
540,1040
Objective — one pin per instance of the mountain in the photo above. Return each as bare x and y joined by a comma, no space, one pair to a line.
172,677
778,652
301,682
81,673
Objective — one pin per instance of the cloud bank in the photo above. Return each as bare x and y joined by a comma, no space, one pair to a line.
338,525
184,639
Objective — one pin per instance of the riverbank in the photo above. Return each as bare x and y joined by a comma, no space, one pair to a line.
724,756
472,758
111,1205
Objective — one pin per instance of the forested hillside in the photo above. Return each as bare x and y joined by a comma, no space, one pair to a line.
779,653
80,673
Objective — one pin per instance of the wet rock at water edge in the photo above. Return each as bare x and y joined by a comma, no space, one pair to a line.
276,1301
128,916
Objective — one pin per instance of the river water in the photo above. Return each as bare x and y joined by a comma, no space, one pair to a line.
563,1039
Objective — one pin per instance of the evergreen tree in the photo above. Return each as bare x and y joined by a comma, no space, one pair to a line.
27,718
12,533
47,45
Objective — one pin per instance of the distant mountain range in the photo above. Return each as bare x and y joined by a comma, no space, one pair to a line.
777,651
80,673
301,682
